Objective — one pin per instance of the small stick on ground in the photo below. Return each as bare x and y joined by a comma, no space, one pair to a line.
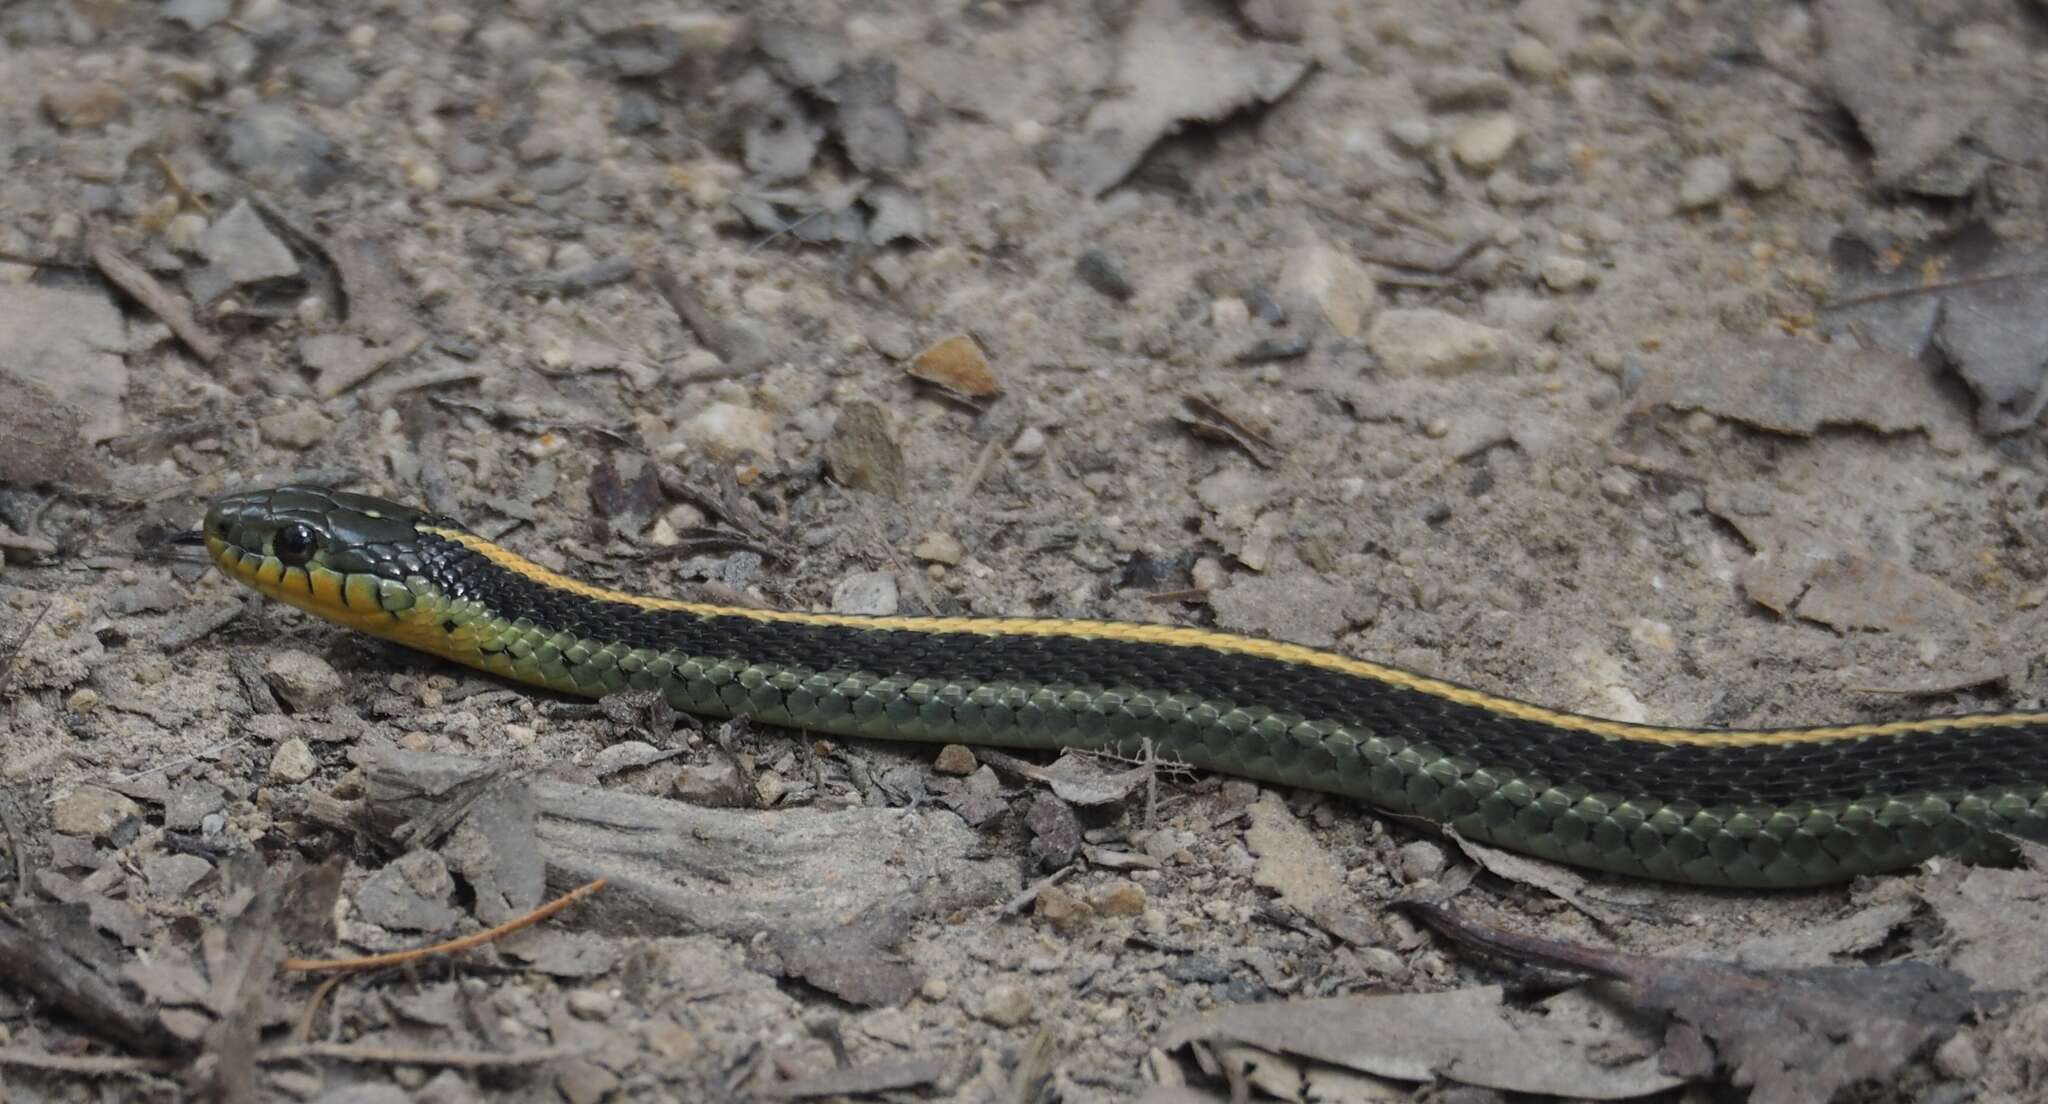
453,946
1023,900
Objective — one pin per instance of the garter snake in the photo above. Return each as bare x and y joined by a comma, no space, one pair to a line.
1768,807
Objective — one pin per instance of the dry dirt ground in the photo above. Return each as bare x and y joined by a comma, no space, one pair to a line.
1673,362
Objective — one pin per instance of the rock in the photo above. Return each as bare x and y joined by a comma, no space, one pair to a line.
171,877
1005,1005
866,592
957,364
944,548
1412,135
955,759
84,105
91,811
714,783
1229,314
1421,861
293,762
1422,340
409,894
276,146
1462,89
239,249
582,1081
727,430
1029,442
303,681
1483,143
1564,272
1105,274
1060,907
1339,287
196,15
1122,899
591,1004
1705,181
1765,162
1533,60
862,452
298,428
1957,1059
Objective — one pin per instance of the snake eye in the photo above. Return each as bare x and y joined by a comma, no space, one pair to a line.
295,544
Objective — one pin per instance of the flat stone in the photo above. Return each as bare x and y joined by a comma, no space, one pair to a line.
1484,143
84,105
1006,1005
171,877
1339,286
866,592
303,681
1426,341
942,548
293,762
1765,162
955,759
728,430
298,428
91,811
410,894
1706,182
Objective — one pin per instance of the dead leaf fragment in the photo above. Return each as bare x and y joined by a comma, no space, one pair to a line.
1291,862
1465,1035
958,365
1181,61
1799,387
1791,1036
1963,298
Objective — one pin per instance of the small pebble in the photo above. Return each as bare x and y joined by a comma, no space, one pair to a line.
86,105
1339,286
1229,314
1425,341
726,430
955,759
942,548
1705,182
1617,486
293,761
1765,162
1105,274
591,1004
1030,442
301,680
1463,89
1005,1005
866,592
1421,861
298,428
1060,907
1564,272
1122,899
1533,60
1957,1059
935,990
1412,135
1482,144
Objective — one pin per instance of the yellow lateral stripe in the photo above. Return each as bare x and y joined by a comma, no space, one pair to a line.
1176,636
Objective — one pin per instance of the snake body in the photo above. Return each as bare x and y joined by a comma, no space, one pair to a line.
1764,808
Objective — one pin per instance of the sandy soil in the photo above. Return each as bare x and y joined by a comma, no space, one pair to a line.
1564,487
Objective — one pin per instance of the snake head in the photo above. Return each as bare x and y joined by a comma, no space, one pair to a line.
300,541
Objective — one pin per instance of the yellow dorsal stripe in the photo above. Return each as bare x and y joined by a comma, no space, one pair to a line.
1177,636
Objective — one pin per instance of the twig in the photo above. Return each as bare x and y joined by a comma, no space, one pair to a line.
144,288
93,1065
453,946
304,1033
413,1056
1023,900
